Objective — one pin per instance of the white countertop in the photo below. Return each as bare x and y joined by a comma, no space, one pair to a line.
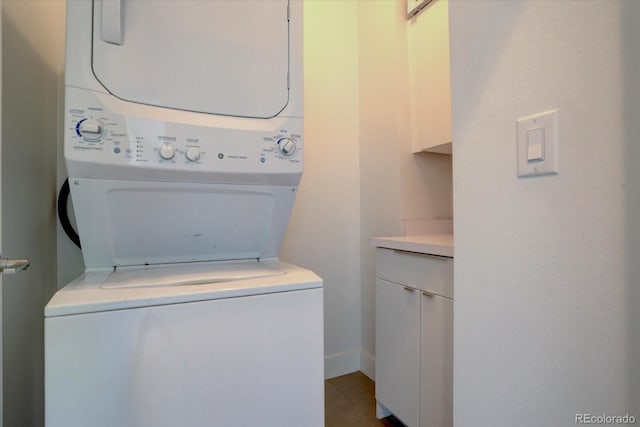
435,244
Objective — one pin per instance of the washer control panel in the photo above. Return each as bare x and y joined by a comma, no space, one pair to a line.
94,134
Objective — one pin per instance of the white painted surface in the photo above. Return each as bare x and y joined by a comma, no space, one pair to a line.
323,233
430,79
546,268
433,226
436,244
32,39
395,185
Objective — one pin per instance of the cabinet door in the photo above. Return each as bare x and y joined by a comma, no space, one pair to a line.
397,350
430,79
436,367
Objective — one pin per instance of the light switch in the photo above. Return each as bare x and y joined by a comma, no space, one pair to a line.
538,144
535,145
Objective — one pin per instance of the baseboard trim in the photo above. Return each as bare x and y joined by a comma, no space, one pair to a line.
368,364
342,363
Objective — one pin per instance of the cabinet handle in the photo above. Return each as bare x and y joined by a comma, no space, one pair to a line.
428,294
408,289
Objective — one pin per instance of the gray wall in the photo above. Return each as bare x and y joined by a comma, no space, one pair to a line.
32,42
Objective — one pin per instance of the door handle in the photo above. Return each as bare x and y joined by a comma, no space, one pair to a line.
12,266
111,25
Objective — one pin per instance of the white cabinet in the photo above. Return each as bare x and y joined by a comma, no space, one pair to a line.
414,337
436,355
398,350
430,79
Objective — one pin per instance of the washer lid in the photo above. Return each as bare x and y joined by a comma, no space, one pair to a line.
226,57
188,274
95,292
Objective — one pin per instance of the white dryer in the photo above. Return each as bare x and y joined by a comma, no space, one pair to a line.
184,148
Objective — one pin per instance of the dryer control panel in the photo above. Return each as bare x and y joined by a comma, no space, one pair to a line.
164,149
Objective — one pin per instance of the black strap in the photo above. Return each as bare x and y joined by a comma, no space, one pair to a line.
63,213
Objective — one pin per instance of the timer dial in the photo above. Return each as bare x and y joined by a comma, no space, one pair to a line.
287,146
90,130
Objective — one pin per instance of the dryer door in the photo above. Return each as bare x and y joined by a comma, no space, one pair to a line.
228,57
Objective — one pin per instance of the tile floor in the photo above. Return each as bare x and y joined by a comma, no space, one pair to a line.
350,402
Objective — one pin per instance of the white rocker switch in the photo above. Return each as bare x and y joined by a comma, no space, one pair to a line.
535,145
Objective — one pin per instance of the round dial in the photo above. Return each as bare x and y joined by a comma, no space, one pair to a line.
192,154
167,152
91,130
287,146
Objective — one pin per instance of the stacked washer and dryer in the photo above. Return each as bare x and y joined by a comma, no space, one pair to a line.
184,146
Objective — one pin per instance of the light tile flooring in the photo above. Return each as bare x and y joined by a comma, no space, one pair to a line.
350,402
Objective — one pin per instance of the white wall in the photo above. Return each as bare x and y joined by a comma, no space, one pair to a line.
546,270
32,42
323,233
360,179
394,184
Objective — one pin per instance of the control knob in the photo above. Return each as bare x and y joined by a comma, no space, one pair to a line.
90,130
167,152
192,154
286,146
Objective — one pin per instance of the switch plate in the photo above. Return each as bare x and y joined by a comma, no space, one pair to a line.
537,138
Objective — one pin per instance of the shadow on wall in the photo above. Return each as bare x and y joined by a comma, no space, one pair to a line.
435,170
29,131
630,12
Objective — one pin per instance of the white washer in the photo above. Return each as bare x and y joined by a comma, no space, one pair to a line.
133,348
184,148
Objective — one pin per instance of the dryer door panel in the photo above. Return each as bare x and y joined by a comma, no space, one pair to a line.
227,57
